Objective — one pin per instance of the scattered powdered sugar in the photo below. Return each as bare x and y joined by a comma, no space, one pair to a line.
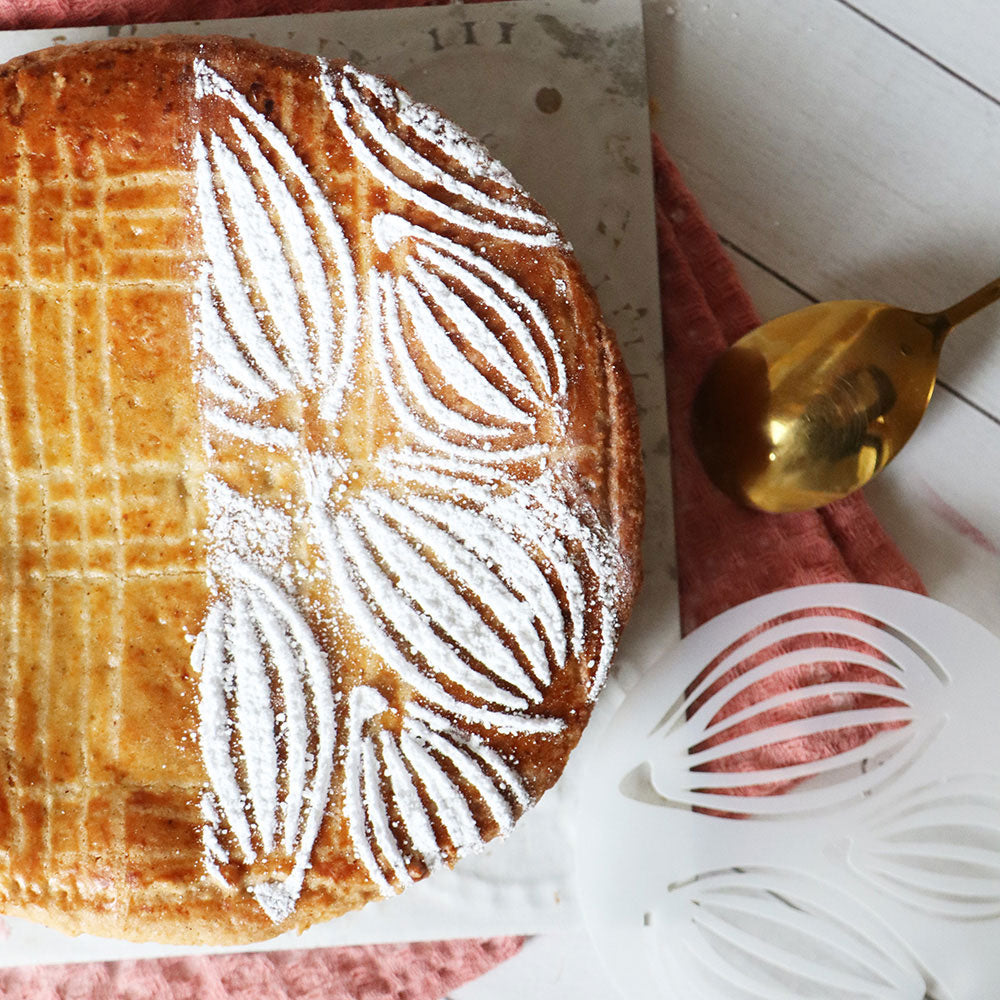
246,530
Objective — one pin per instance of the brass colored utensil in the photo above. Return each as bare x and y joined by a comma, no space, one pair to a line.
808,407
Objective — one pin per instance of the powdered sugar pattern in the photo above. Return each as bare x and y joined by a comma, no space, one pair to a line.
471,584
344,99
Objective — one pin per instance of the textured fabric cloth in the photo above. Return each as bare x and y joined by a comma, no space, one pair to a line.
384,972
74,13
726,555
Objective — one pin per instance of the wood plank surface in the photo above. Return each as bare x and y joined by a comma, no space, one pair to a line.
836,154
962,35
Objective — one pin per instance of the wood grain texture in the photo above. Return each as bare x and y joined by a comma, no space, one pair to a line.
962,35
833,152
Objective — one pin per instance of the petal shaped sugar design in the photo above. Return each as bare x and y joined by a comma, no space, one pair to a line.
302,246
437,597
494,292
365,703
251,228
410,620
470,768
499,393
256,650
383,840
362,595
446,357
228,306
215,673
474,328
540,521
232,379
780,935
429,768
379,151
280,239
820,706
392,356
254,718
474,571
474,586
938,849
410,807
431,127
452,809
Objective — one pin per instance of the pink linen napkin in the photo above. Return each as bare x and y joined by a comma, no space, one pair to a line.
74,13
425,971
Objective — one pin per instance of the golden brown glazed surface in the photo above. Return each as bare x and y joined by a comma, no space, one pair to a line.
113,557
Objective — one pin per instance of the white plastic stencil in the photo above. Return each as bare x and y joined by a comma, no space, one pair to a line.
740,840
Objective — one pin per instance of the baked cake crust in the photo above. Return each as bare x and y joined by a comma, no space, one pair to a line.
321,491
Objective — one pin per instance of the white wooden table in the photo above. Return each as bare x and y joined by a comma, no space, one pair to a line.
845,150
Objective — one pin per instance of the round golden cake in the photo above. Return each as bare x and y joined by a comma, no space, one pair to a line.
321,491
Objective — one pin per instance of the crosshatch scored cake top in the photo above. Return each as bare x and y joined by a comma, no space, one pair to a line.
320,484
